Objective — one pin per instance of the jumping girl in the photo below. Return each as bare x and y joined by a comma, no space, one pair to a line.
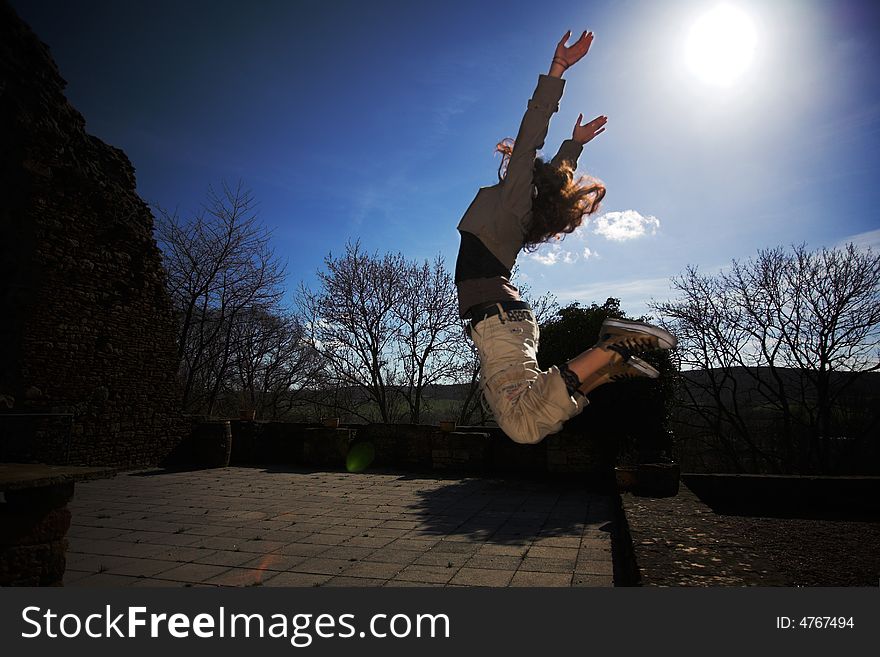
533,202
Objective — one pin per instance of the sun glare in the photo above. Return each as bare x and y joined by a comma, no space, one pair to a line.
721,45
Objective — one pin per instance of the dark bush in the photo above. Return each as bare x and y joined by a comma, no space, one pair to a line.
629,418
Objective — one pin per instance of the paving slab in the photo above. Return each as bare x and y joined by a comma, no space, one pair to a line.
250,526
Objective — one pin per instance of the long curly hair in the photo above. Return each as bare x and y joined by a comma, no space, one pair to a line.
562,202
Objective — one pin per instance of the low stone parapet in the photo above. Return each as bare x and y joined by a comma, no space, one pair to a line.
34,520
415,447
788,495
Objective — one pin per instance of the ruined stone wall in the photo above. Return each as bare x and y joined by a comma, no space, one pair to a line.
407,447
85,321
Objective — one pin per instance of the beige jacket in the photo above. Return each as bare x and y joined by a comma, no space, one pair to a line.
499,214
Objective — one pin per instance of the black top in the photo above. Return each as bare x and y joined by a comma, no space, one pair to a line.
475,260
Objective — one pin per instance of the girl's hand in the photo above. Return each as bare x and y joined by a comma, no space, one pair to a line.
565,57
584,133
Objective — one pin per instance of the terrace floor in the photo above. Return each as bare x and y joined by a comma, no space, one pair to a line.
296,527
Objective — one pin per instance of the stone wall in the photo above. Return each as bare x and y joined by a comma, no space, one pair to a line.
33,529
416,448
86,325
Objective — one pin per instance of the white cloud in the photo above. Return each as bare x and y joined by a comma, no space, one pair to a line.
551,253
589,253
548,259
626,225
867,240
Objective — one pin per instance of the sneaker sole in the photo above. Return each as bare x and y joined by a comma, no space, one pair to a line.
665,339
643,368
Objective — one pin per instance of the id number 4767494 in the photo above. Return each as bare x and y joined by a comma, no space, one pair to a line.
814,622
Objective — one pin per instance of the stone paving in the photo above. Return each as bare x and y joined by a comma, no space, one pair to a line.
680,541
290,527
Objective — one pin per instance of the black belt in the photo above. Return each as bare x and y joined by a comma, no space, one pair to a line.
481,312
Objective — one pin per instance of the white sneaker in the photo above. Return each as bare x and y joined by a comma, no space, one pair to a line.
633,368
629,338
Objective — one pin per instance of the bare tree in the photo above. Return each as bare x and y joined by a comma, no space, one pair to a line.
707,321
429,331
471,409
354,323
273,368
784,334
387,329
219,262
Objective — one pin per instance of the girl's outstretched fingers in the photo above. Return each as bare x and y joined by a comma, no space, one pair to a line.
569,55
585,133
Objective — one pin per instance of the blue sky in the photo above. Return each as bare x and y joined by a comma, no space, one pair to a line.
377,121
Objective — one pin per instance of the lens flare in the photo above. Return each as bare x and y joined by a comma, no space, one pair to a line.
360,456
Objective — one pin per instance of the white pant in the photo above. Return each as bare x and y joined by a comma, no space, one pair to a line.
528,403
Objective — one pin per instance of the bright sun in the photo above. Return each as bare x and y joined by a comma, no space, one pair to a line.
721,45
